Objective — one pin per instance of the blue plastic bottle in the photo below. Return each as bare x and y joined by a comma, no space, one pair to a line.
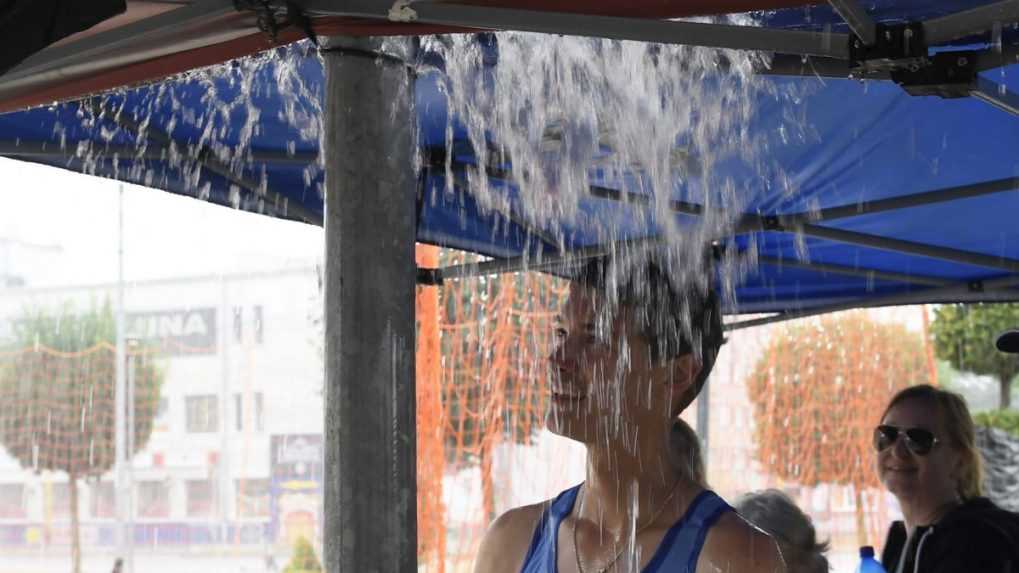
867,562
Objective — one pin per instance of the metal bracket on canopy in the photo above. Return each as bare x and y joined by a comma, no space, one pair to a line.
897,47
997,95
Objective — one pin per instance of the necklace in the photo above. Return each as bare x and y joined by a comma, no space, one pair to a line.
619,553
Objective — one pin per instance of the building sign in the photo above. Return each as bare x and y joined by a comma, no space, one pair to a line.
297,458
175,332
295,490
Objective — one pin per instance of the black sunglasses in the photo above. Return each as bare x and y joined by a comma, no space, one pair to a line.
918,440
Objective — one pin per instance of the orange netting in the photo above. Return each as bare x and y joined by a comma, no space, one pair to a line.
481,381
808,396
817,392
57,407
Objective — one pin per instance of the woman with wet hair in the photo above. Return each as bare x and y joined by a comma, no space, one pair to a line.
777,514
633,349
927,458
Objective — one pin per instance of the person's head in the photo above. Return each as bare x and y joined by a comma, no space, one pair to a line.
776,514
926,448
685,453
634,347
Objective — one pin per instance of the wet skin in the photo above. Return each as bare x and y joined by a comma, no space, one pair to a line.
608,394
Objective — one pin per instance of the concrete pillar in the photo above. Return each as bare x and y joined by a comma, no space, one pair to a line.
370,477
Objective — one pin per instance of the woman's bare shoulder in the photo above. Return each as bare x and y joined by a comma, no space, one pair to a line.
507,540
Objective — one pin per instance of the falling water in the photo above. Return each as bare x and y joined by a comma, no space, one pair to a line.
585,142
559,120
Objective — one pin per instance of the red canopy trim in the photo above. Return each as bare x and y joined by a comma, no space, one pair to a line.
233,36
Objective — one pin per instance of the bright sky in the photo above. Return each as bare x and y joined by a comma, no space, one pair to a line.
164,234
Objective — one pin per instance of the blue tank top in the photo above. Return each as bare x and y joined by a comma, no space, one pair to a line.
678,551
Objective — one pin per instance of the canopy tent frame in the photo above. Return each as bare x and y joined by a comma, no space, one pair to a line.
58,61
802,223
994,290
268,199
139,41
366,381
858,20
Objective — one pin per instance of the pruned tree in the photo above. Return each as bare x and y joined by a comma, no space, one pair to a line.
57,389
964,335
817,392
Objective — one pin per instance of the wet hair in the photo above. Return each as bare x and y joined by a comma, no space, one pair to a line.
959,432
675,320
777,514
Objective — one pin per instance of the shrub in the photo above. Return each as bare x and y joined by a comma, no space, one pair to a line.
304,559
1007,420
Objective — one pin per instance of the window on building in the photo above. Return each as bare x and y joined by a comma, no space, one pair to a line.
12,501
162,420
252,498
257,319
249,412
153,499
201,500
202,413
59,499
102,500
238,324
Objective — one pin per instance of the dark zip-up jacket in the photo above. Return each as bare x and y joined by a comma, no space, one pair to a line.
976,537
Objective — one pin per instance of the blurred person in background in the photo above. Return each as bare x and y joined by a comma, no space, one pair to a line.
777,514
927,458
632,352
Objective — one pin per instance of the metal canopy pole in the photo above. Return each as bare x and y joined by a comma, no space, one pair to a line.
996,95
942,195
370,445
152,150
121,454
614,27
908,247
276,203
994,290
975,21
869,274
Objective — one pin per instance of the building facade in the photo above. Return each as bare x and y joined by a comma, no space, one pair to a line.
235,453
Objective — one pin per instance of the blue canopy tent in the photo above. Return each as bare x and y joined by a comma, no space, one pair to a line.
900,197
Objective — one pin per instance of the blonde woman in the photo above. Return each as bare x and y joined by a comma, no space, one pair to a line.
927,458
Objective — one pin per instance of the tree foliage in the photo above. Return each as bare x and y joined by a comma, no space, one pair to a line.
817,392
303,559
57,392
1007,420
57,388
964,335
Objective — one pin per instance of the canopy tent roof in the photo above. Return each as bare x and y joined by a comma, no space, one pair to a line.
899,198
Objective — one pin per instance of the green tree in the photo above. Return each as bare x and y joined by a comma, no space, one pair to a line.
57,398
817,392
964,335
304,559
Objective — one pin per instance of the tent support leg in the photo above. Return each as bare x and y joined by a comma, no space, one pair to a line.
370,443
